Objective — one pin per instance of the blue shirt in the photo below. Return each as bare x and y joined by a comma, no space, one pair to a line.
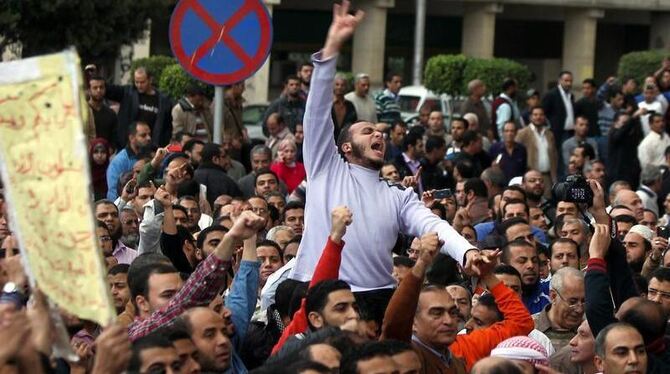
513,165
242,302
538,299
122,163
484,229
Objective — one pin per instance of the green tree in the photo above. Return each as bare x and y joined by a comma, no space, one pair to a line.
154,65
96,28
174,81
444,74
494,71
639,65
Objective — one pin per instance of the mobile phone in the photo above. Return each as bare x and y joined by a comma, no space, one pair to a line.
663,232
443,194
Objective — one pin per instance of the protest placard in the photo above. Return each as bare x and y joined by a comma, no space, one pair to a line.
44,164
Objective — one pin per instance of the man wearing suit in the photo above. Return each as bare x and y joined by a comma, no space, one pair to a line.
540,147
558,106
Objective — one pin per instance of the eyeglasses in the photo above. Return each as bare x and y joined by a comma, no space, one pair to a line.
652,293
572,303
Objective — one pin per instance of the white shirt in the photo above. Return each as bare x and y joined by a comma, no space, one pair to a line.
380,210
654,106
569,110
651,150
542,148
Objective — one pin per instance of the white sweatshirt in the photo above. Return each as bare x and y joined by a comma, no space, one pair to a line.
380,211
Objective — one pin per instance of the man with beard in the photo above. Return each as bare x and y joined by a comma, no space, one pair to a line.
305,74
139,142
106,122
522,255
367,264
638,245
130,227
108,213
533,184
289,106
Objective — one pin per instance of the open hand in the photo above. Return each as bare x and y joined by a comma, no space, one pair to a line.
600,242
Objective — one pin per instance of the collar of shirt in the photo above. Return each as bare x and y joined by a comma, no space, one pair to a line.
444,357
539,132
542,322
563,93
414,164
388,92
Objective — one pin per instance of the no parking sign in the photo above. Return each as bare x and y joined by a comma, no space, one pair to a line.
220,42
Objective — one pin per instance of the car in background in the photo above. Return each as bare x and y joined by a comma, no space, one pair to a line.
252,118
412,98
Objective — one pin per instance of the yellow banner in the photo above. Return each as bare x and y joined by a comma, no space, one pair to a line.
44,164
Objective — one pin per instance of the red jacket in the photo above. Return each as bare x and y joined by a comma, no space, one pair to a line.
327,268
478,344
292,177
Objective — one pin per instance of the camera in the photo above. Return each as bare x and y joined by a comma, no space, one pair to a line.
575,189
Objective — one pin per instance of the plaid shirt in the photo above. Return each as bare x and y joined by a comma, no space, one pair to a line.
200,288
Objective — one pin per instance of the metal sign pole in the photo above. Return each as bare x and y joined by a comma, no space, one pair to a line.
218,114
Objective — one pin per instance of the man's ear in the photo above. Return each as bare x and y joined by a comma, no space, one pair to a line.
346,147
316,320
553,295
142,305
598,362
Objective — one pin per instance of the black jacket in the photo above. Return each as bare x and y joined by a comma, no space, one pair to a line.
217,182
554,109
129,100
622,163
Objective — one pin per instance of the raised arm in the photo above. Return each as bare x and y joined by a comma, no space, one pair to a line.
399,314
242,298
416,220
327,268
206,280
319,147
517,321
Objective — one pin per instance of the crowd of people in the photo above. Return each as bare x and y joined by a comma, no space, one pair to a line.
512,238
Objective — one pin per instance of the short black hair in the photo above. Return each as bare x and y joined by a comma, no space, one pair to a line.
291,77
139,282
590,81
263,172
190,144
293,205
209,151
465,168
202,236
389,76
561,241
662,274
284,295
513,243
517,189
460,119
508,83
563,72
588,150
469,137
434,142
132,128
504,226
317,296
118,269
487,300
403,261
154,340
366,351
179,208
506,269
625,218
411,139
475,185
503,209
270,243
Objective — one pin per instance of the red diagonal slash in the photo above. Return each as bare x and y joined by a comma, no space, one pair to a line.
220,32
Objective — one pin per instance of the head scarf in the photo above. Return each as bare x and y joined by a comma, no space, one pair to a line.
521,348
99,172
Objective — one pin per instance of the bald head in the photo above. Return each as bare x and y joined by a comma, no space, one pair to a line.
632,201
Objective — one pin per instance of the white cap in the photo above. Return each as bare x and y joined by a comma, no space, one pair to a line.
516,181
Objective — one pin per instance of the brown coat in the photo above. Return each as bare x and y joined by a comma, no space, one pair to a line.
526,137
